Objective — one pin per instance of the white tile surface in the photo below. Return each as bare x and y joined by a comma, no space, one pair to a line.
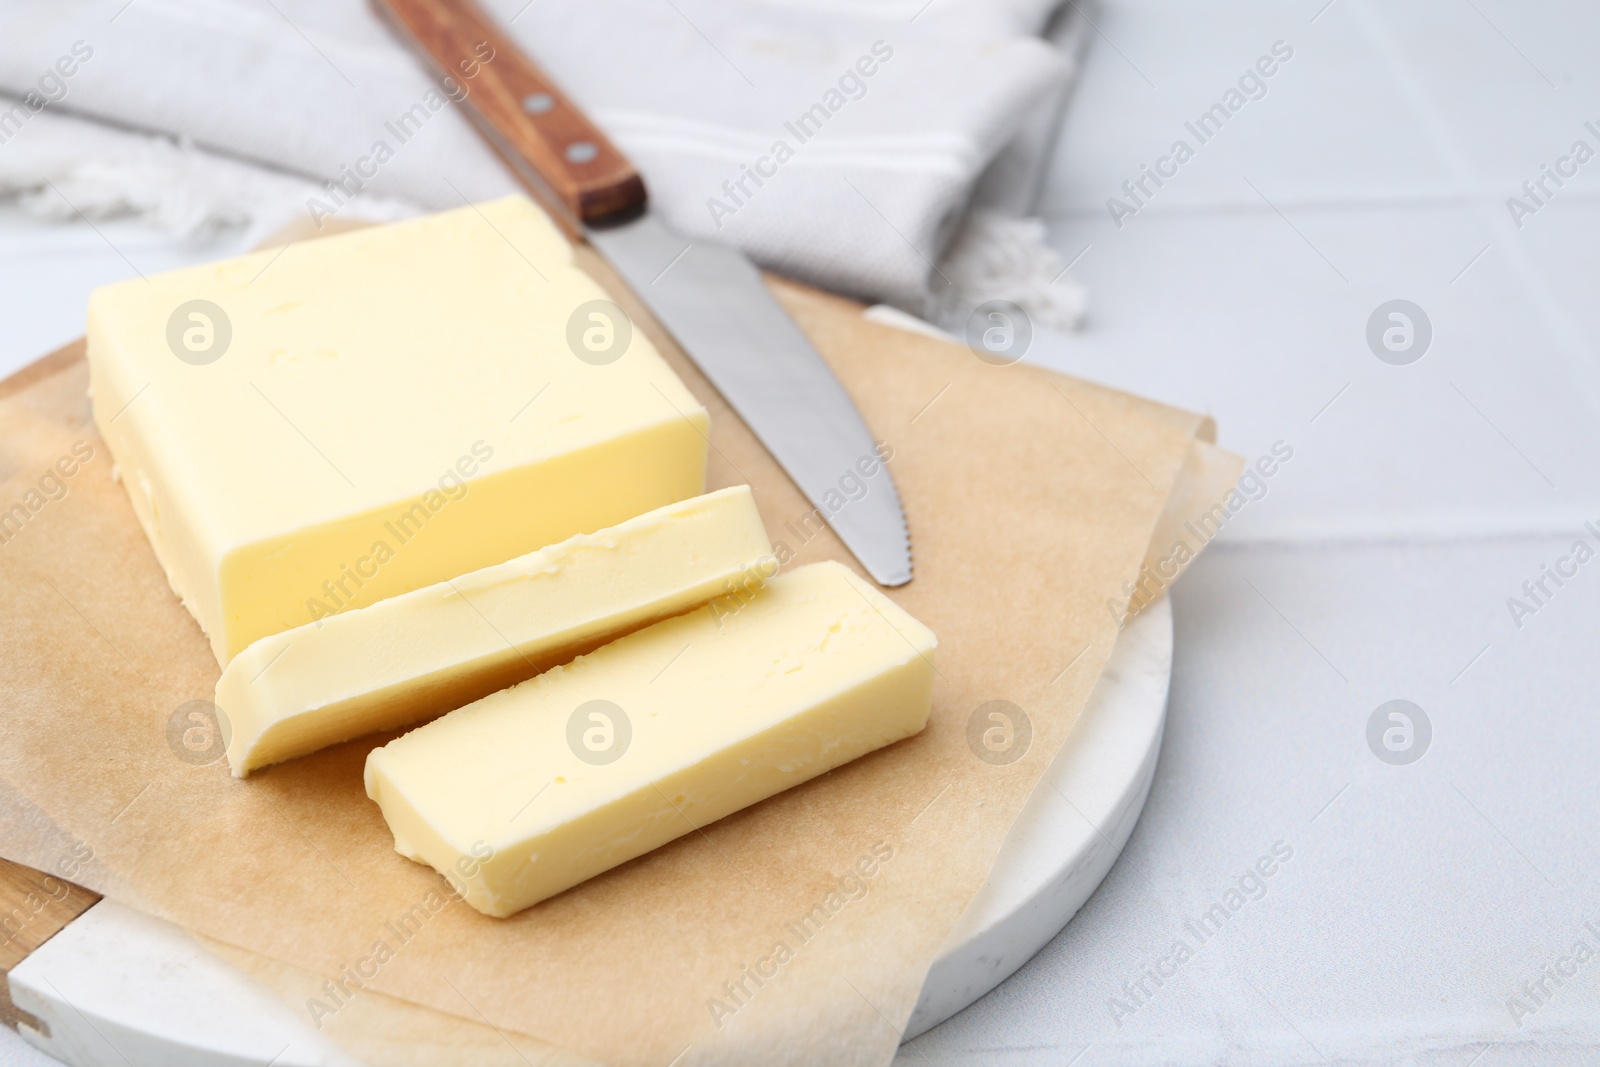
1416,902
1327,126
15,1052
1490,91
1375,167
48,270
1415,505
1232,313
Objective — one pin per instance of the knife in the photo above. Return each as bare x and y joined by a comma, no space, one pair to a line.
708,296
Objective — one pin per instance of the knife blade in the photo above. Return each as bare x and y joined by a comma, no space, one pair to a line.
708,296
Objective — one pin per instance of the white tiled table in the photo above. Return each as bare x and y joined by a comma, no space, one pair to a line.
1418,898
1421,897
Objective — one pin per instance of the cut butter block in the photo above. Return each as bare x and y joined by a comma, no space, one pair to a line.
311,429
538,787
425,652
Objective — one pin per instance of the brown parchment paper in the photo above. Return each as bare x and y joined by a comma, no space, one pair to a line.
1032,500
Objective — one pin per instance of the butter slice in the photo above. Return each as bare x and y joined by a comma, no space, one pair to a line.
426,652
393,407
710,712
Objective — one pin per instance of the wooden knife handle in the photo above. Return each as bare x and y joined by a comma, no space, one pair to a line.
563,158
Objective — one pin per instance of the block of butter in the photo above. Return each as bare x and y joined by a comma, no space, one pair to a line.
431,650
311,429
550,782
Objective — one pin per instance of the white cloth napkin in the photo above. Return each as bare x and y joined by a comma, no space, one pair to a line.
865,195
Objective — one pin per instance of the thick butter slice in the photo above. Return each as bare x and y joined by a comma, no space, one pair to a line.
701,715
431,650
312,429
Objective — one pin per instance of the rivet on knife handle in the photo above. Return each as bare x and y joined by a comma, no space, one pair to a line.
566,162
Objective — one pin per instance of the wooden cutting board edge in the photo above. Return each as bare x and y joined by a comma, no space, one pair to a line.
34,907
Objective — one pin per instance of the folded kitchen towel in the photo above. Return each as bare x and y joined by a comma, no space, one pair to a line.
850,144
